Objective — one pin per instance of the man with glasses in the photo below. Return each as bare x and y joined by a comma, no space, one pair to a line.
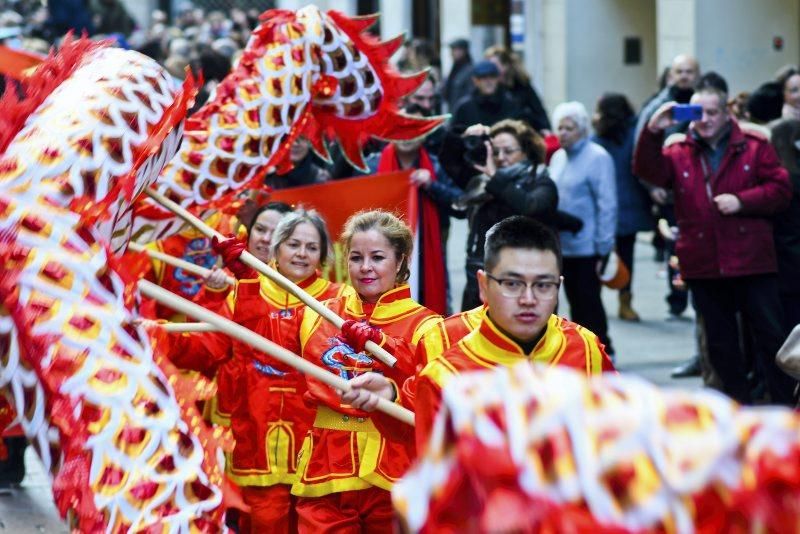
519,285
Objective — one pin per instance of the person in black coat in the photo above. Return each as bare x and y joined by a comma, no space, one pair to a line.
518,84
513,181
305,170
489,102
458,83
786,225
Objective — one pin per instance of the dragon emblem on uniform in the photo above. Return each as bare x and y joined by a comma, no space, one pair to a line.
198,251
343,360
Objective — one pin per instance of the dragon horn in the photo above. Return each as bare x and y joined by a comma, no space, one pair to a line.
387,48
408,84
404,127
363,22
314,134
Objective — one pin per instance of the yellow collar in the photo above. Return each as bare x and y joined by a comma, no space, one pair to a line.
490,347
392,306
278,297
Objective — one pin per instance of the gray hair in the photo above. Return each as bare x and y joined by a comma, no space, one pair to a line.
290,221
574,111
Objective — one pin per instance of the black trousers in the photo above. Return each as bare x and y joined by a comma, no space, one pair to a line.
756,298
624,245
582,286
791,310
471,297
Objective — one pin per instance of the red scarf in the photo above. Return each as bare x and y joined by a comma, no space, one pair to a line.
433,276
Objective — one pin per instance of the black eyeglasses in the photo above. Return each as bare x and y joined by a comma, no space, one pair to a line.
515,288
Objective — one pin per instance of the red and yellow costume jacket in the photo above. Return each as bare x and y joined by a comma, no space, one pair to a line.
563,343
192,246
437,339
344,451
441,336
262,398
210,354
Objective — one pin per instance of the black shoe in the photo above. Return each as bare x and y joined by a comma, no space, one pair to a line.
691,367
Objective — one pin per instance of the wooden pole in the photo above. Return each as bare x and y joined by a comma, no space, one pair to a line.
177,262
262,344
187,327
248,259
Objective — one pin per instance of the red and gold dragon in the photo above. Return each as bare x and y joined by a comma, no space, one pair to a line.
111,420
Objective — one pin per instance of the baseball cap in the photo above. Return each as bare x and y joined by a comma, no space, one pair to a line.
485,68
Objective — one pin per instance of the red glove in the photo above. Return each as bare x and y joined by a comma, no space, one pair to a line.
229,250
356,334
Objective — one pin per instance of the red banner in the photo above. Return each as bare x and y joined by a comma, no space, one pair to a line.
339,199
14,63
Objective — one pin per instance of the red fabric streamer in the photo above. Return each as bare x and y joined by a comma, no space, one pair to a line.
433,276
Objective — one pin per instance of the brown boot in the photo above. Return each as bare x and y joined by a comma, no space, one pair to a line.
626,312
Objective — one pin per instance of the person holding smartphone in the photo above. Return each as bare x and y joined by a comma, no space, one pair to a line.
727,184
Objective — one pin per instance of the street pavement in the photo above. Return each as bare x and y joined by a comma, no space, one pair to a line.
649,348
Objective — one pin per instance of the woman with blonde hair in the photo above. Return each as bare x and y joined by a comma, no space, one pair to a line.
346,467
518,83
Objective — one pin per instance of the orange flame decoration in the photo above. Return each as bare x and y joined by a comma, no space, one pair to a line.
57,67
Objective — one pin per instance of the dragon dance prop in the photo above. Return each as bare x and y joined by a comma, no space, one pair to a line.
110,418
544,449
305,73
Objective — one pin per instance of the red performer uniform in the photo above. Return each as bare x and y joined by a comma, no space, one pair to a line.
443,335
263,398
211,354
563,343
437,339
192,246
346,466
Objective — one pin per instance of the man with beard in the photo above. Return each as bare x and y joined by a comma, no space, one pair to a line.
437,192
488,103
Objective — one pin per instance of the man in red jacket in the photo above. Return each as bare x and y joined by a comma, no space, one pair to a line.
727,184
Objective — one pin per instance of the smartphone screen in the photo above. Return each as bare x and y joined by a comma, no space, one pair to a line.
687,112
